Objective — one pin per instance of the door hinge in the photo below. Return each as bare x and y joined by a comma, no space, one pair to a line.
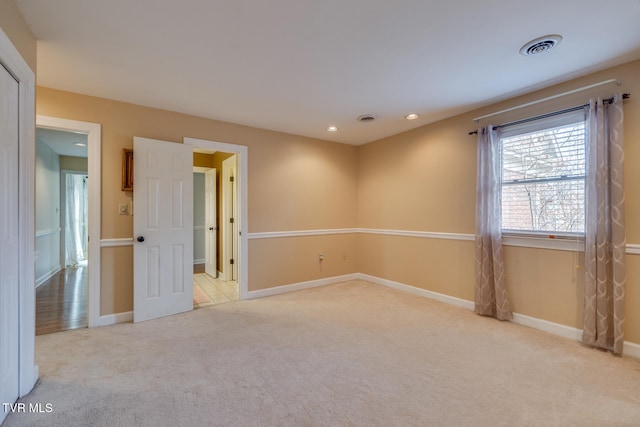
232,220
231,179
232,261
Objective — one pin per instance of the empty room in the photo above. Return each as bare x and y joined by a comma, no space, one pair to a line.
322,212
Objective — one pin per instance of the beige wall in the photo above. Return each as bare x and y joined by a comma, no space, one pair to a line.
300,261
14,27
295,183
424,180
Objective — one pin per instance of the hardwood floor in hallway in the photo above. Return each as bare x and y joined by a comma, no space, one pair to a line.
61,301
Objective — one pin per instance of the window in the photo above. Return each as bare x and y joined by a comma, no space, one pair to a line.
543,175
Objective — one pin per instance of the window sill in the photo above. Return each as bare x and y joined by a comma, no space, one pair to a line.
571,243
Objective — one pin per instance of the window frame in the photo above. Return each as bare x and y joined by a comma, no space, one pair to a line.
544,239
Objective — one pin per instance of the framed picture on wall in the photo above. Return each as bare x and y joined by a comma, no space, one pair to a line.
127,169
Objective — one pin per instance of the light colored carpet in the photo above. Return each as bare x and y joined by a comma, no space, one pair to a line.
352,354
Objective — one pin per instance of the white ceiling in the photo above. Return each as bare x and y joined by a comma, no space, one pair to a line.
298,66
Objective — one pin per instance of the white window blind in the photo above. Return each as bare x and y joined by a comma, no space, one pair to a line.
543,176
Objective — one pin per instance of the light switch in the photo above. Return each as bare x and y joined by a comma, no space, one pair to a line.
123,209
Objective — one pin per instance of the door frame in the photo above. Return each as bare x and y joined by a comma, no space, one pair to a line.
211,220
229,210
241,151
94,142
18,67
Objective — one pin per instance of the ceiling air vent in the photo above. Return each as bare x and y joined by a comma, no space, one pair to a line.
540,45
366,118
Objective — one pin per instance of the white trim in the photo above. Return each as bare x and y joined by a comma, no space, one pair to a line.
115,243
221,276
630,349
17,66
633,249
48,275
458,302
539,242
243,186
229,210
201,169
546,326
49,232
198,261
300,286
558,243
300,233
112,319
94,165
422,234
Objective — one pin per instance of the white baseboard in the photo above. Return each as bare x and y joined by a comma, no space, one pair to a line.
458,302
299,286
198,261
112,319
221,276
630,349
546,326
47,276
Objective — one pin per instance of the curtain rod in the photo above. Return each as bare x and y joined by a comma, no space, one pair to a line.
555,113
580,89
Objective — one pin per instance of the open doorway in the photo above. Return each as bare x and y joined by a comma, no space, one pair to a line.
215,281
61,230
67,211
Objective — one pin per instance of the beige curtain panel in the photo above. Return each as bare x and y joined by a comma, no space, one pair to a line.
491,298
605,241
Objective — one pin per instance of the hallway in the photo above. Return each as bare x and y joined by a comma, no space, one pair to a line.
61,301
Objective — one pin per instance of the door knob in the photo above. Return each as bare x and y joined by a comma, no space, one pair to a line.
140,239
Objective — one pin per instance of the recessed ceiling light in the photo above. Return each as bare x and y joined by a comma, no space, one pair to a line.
540,45
79,144
332,129
411,116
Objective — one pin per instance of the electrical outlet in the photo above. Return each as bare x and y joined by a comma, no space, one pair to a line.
321,257
123,209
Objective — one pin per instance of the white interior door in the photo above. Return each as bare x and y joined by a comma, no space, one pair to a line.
230,218
211,226
163,228
9,241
